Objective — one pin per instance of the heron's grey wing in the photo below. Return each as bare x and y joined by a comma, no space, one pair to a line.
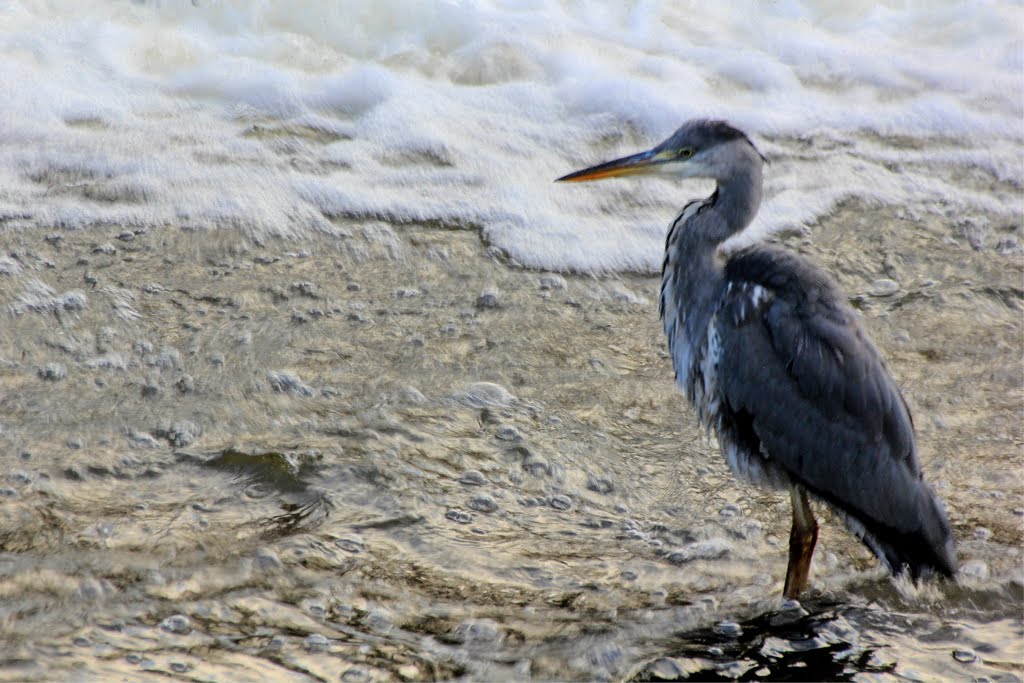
797,372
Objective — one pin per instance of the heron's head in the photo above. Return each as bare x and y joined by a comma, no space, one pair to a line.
700,149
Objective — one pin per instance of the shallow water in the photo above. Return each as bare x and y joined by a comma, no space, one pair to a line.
393,454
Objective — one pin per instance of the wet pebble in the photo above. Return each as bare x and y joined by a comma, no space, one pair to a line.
561,502
316,642
275,644
884,287
965,655
178,623
180,667
81,641
472,478
482,503
982,534
53,372
485,395
459,517
488,299
716,651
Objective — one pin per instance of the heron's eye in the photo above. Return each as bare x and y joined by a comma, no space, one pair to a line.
686,152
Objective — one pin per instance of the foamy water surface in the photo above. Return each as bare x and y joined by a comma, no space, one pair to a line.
462,113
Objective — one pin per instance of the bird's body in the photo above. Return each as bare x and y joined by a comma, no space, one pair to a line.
778,366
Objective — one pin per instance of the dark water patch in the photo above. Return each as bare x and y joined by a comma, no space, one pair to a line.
779,646
283,471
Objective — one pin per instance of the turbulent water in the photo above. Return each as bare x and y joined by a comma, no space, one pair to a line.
309,372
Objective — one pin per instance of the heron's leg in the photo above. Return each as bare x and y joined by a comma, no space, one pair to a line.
802,538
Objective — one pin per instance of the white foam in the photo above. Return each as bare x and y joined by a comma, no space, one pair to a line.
281,119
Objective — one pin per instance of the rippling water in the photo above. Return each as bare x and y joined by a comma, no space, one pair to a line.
289,394
394,454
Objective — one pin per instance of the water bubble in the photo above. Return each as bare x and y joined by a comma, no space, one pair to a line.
267,560
478,631
257,490
665,669
711,549
561,502
537,465
472,478
977,569
53,372
409,672
316,642
729,629
482,503
509,433
179,667
488,299
356,675
178,623
275,644
459,516
884,287
552,282
485,395
730,510
351,545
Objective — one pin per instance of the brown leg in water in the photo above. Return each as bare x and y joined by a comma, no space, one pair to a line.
802,538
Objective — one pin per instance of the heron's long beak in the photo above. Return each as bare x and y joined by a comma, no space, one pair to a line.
636,164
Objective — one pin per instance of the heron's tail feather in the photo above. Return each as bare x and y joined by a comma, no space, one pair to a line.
922,546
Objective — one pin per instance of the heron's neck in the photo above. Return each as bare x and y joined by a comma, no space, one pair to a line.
737,200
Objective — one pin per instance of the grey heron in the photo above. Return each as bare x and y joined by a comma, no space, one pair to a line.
776,363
